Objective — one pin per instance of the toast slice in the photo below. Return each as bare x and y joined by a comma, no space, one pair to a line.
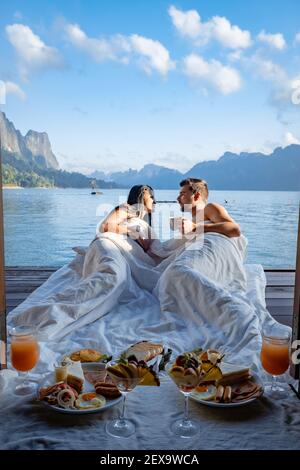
232,373
144,350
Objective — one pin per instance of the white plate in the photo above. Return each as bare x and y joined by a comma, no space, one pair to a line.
216,404
87,388
108,404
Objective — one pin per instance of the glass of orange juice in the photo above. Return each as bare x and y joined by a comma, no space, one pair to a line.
24,354
275,358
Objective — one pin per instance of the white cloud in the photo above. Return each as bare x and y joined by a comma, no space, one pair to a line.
154,54
235,56
212,73
286,89
188,22
218,28
276,41
268,70
98,49
289,139
14,89
150,54
32,52
297,38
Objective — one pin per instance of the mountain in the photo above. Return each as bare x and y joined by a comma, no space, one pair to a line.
29,161
34,148
100,175
157,176
39,145
279,171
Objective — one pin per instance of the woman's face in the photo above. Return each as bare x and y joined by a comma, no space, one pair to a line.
148,200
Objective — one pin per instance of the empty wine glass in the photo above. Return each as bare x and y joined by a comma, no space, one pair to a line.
121,427
275,356
24,352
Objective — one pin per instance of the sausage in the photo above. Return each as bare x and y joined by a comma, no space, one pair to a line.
219,394
227,394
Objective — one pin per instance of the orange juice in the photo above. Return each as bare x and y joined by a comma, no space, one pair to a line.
24,352
275,355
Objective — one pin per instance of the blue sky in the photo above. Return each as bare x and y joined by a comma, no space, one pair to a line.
118,84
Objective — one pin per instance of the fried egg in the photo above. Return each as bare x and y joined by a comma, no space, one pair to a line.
206,392
87,401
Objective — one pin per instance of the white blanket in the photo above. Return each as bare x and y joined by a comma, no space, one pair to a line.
103,299
115,295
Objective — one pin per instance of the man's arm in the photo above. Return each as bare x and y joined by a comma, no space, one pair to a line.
221,222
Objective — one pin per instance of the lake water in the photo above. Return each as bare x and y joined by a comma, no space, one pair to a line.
42,225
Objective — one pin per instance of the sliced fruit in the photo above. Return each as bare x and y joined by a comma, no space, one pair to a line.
134,370
115,370
211,372
177,370
209,354
190,372
150,378
142,371
127,372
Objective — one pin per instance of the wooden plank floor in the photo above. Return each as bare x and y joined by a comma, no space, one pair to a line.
21,281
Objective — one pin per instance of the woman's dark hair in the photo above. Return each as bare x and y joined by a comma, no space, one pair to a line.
136,194
136,197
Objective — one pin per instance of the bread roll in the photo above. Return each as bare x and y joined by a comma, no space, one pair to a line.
107,390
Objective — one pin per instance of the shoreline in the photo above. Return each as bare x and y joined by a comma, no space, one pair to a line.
4,186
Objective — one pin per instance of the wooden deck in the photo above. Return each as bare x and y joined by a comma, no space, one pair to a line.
21,281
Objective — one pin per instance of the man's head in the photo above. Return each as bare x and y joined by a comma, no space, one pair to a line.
193,193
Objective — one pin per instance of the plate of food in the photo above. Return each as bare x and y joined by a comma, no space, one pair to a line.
84,388
219,384
237,386
87,355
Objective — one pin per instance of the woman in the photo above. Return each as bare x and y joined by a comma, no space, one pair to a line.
134,217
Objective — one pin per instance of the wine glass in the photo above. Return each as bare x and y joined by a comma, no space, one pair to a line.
121,427
275,356
24,353
186,382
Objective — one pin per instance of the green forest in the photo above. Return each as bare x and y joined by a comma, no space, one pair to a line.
18,171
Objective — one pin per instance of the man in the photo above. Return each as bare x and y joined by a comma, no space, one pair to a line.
207,217
215,258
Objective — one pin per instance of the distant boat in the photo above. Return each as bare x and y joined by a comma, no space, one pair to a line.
94,187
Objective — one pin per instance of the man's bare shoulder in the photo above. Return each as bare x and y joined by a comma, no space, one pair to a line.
213,207
216,213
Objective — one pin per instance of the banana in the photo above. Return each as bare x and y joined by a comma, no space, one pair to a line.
191,372
125,369
134,370
115,370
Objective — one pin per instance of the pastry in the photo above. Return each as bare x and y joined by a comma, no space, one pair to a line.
107,390
144,351
86,355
